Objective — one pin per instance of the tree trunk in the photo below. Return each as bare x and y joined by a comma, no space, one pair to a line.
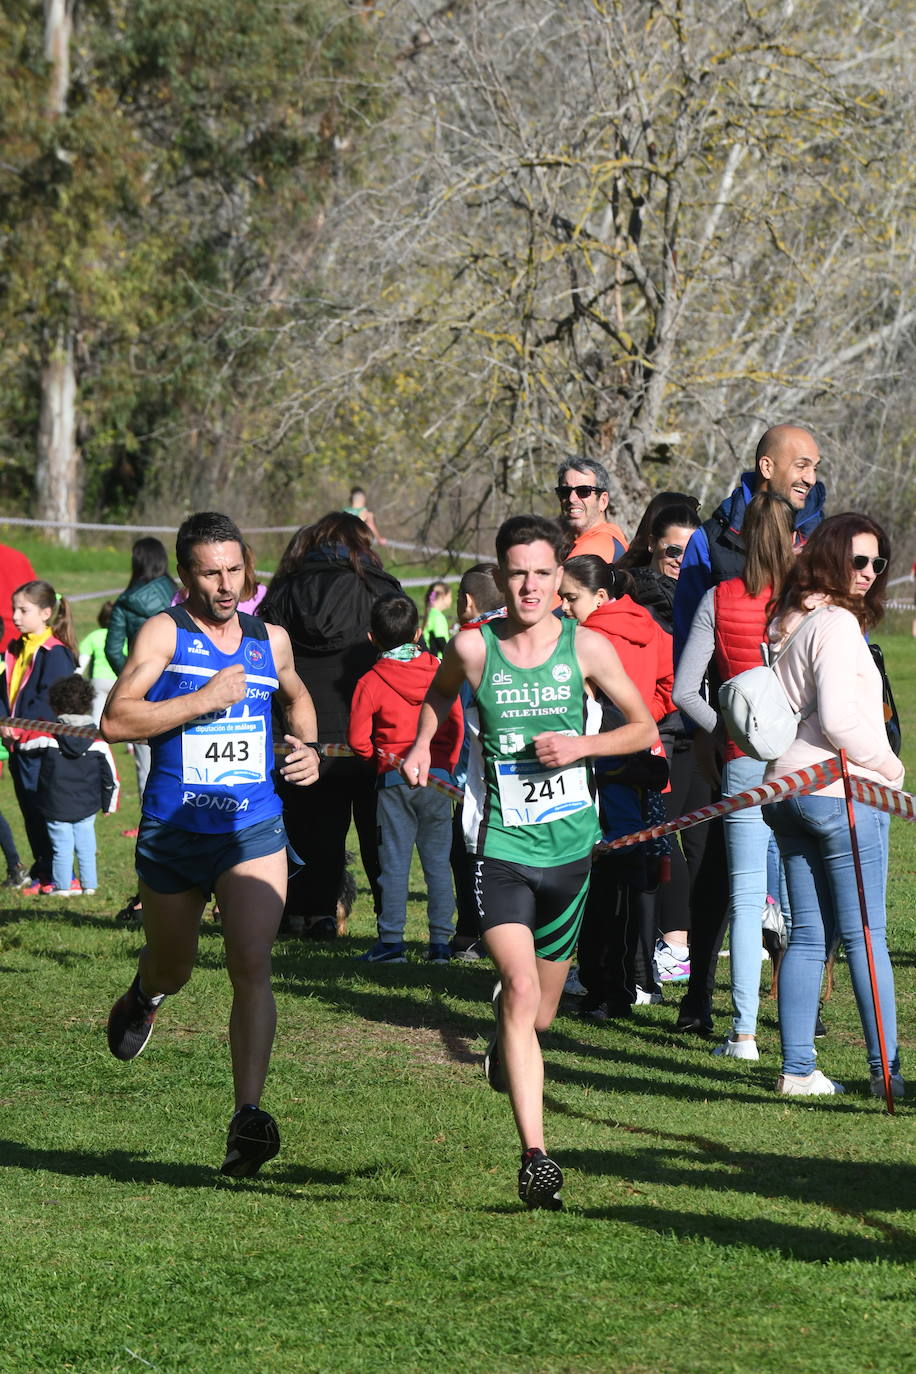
58,30
57,470
57,467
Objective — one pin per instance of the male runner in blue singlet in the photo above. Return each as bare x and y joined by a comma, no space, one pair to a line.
199,684
530,820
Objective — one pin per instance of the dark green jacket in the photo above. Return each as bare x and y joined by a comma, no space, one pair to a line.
132,608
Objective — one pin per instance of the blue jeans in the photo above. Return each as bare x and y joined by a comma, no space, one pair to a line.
422,815
813,837
747,838
67,836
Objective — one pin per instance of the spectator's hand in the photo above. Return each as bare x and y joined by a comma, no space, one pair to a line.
301,765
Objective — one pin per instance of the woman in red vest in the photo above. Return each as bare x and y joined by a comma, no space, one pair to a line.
725,639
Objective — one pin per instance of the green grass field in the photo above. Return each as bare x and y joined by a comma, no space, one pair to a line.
710,1226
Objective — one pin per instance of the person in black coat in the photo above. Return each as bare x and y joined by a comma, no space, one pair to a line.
322,594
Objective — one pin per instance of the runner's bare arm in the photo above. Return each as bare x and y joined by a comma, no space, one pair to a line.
301,764
601,665
129,716
369,522
462,662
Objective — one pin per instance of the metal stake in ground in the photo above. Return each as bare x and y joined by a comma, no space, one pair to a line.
866,931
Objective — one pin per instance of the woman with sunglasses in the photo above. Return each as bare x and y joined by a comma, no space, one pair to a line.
724,640
835,592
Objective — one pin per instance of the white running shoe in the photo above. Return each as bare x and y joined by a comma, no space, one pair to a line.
738,1049
876,1084
817,1084
644,998
668,968
574,987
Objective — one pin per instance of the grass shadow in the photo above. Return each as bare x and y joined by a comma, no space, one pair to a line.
123,1167
808,1244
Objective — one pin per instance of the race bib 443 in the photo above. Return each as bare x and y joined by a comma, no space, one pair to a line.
224,752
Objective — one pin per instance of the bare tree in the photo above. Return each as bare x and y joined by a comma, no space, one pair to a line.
644,229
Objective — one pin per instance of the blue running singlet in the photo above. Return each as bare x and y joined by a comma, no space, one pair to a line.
216,773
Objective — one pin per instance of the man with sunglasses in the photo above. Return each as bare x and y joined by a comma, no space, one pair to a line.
583,492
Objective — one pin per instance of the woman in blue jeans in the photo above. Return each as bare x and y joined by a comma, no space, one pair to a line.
727,632
837,588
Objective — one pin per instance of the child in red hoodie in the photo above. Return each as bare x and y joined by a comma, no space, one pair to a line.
383,716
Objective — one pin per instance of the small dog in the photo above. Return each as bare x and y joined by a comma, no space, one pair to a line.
775,939
346,897
328,927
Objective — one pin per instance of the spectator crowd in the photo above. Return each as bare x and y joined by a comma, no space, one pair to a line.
685,605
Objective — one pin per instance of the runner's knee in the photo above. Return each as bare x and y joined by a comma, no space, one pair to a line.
167,978
521,995
249,965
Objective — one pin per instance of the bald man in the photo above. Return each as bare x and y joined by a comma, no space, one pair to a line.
786,462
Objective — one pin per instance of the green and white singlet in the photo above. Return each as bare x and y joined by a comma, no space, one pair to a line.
516,808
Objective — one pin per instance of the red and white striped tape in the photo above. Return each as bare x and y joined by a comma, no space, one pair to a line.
805,780
332,751
329,751
800,783
882,798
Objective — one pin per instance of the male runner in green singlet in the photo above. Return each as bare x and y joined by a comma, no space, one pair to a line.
529,811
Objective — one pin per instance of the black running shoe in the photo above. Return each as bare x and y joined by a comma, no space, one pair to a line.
254,1138
130,1022
692,1020
492,1064
539,1181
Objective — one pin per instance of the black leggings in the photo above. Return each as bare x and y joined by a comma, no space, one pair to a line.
612,953
689,790
24,772
317,820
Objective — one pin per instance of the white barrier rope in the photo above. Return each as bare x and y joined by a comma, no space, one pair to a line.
426,549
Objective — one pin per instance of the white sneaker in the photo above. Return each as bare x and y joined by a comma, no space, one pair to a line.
668,968
876,1084
738,1049
817,1084
574,987
645,998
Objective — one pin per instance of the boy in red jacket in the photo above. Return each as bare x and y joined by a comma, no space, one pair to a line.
384,715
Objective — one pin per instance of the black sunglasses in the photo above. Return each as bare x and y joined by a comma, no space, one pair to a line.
862,560
582,492
672,551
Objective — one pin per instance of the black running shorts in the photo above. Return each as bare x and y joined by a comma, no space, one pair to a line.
549,901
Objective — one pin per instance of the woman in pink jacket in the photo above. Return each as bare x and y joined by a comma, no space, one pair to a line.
837,589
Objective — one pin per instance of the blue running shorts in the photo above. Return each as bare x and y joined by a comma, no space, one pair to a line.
171,860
